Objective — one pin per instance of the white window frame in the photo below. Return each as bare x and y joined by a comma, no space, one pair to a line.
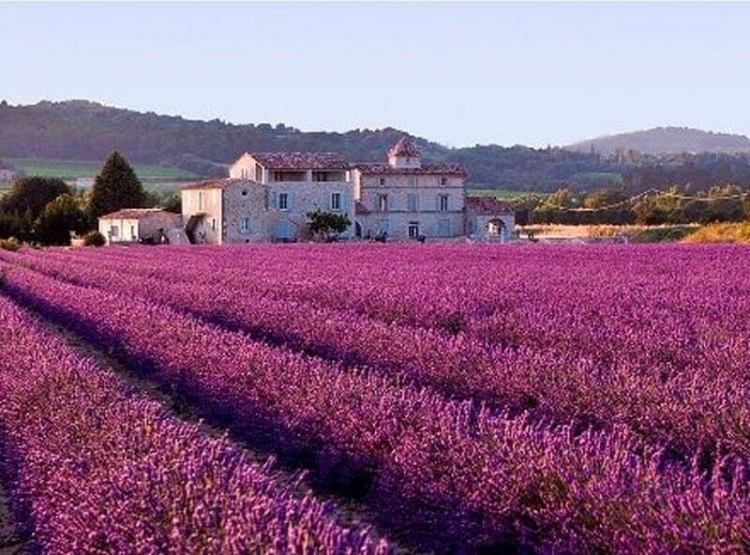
245,225
336,202
443,203
413,226
114,231
284,201
383,202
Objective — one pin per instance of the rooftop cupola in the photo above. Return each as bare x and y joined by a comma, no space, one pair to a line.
405,154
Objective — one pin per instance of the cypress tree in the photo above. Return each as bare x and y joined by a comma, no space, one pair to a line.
115,187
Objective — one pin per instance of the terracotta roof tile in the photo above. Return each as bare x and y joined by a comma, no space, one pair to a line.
487,206
301,160
132,213
214,184
426,169
405,147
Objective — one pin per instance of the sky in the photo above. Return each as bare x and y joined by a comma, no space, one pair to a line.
456,73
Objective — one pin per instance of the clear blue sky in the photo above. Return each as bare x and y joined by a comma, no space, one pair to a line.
459,74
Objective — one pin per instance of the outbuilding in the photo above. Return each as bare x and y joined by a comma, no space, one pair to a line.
489,219
138,225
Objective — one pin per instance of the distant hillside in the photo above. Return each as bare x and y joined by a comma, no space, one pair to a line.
80,130
665,140
63,138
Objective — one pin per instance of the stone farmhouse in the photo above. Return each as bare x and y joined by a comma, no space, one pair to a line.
267,197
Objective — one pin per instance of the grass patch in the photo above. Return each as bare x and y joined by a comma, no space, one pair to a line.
72,169
501,194
721,233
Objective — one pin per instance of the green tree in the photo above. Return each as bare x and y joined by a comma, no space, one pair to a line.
324,225
58,219
115,187
30,195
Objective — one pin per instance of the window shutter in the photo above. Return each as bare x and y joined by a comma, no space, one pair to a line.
274,200
437,203
290,201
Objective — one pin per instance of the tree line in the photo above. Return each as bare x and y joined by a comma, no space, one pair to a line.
45,211
676,205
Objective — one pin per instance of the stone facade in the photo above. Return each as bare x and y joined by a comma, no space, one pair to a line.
407,206
406,199
267,198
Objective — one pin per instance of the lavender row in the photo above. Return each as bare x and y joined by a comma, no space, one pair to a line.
98,468
572,365
498,480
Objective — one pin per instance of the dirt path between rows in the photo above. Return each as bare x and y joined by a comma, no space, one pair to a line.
10,543
350,513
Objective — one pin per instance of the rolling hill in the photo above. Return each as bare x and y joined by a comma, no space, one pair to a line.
665,140
62,138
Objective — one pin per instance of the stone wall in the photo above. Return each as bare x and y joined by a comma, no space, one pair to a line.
425,190
478,226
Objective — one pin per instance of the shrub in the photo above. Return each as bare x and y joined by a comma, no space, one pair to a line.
94,239
9,245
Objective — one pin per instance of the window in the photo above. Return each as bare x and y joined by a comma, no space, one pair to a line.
384,226
382,181
213,224
258,173
132,233
283,201
335,201
443,203
444,181
289,176
411,181
245,225
200,200
413,230
244,192
114,231
412,202
444,228
383,203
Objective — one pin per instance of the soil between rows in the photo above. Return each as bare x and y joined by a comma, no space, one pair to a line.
350,512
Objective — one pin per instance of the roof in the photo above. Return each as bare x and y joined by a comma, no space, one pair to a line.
405,147
301,160
215,183
487,206
132,213
426,169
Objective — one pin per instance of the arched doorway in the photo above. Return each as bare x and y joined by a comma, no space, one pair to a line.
496,228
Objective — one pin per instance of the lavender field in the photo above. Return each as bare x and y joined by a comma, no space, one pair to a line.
377,399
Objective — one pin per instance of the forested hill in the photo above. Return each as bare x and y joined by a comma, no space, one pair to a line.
82,130
665,140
